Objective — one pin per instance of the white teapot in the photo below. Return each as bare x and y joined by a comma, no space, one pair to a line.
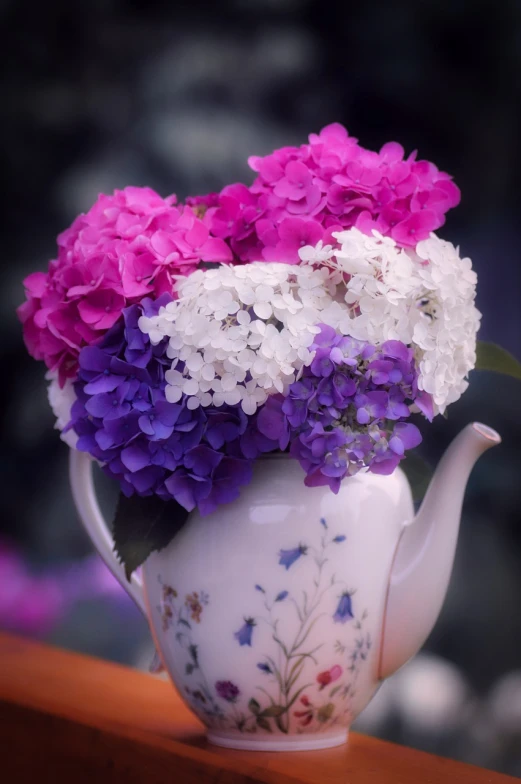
278,615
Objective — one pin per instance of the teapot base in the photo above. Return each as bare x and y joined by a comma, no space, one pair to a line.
301,742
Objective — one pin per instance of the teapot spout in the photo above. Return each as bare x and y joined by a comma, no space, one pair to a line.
424,555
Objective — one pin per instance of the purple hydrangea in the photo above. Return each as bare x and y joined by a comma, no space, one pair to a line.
198,457
349,409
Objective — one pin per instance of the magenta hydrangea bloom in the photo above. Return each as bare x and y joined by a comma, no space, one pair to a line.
349,410
198,457
127,246
302,194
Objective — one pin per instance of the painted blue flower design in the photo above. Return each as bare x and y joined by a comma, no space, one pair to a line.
288,557
221,705
344,610
243,636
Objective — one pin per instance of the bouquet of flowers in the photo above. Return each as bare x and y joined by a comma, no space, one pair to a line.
314,311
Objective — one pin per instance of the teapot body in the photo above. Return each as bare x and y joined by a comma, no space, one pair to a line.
268,614
278,614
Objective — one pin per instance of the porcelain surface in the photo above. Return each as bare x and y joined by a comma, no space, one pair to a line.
268,613
278,615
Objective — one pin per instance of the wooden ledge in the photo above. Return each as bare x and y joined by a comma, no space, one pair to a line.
71,718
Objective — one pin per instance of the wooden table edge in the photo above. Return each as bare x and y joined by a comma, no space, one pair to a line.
90,717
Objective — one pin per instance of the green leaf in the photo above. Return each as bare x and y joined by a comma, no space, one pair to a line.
294,675
299,643
492,357
264,724
273,711
279,642
418,472
142,525
280,725
335,690
325,712
254,706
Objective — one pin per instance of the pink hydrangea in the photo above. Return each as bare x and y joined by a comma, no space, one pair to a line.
303,194
128,245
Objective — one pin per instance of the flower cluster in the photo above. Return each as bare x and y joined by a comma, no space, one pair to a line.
348,410
302,194
127,246
122,418
422,296
239,334
314,311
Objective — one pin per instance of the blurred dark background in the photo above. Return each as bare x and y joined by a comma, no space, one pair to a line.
103,94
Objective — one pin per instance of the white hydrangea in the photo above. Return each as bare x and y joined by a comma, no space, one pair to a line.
61,400
423,297
238,334
446,339
241,333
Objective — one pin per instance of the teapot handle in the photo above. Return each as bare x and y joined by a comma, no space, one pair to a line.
84,494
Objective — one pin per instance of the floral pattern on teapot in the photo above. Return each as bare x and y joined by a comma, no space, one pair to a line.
285,692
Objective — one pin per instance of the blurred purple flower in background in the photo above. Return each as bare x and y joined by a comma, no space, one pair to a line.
28,604
36,602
